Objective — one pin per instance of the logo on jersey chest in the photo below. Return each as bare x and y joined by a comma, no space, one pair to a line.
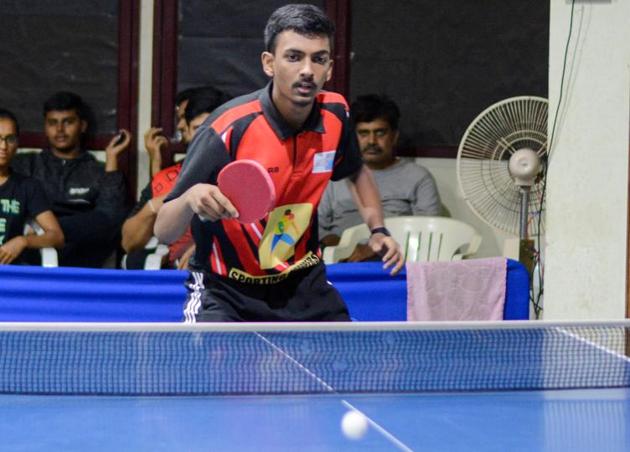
323,162
285,227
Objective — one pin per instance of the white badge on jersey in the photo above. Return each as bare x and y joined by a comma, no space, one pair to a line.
323,162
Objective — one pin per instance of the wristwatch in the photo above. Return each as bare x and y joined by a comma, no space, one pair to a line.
383,230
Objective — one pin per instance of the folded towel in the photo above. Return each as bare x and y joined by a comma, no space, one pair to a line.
471,289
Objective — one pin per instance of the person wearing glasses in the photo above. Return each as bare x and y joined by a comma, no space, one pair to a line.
21,198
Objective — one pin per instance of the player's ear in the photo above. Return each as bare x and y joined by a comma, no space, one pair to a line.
267,63
329,71
84,125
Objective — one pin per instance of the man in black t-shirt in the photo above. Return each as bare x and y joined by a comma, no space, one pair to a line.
88,199
21,198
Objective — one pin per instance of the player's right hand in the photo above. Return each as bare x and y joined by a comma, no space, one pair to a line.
209,203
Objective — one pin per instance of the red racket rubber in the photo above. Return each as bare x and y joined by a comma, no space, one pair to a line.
247,184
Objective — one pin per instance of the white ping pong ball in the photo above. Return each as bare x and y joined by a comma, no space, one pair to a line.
354,425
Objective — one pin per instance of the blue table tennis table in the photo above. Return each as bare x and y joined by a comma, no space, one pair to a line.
464,387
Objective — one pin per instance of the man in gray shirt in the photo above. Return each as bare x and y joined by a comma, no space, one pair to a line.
405,187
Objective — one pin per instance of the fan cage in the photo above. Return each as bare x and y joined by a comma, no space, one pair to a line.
483,156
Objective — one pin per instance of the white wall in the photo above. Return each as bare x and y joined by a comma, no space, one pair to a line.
145,77
585,273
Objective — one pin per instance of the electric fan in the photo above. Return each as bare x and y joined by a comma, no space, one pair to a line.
499,163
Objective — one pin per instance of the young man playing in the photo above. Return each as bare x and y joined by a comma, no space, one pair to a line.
302,136
406,188
21,198
88,200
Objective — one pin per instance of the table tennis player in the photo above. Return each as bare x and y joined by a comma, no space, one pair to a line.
270,269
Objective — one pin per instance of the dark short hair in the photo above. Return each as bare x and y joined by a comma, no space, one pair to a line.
304,19
370,107
66,100
204,100
6,114
184,95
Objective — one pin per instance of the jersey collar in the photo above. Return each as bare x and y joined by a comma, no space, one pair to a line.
313,123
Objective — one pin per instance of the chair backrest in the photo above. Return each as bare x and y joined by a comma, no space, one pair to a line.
422,239
431,239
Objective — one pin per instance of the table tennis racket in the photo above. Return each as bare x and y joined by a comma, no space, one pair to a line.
248,186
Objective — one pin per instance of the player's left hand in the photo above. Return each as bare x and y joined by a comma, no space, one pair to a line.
390,251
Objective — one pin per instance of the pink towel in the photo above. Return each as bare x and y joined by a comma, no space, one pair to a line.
471,289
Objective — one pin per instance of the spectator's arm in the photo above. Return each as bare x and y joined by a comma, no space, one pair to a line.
138,228
108,214
52,236
155,142
426,197
114,148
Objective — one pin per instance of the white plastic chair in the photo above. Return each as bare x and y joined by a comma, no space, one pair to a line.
153,260
422,239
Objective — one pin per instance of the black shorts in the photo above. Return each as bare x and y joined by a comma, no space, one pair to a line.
305,296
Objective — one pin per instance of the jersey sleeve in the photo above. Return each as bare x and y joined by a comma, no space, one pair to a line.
205,157
348,157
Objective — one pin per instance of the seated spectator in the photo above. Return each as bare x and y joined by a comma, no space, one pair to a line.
88,199
155,141
21,198
138,228
406,188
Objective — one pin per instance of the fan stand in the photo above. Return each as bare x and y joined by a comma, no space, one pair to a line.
526,247
524,167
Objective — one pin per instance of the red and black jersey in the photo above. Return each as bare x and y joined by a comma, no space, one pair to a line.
300,164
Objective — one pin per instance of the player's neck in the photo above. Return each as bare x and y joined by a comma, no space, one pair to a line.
295,115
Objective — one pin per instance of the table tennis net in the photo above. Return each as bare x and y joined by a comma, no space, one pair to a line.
306,361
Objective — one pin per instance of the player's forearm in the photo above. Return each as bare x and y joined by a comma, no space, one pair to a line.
172,220
367,198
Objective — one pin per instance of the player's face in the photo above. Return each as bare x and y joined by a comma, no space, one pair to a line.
376,141
8,141
300,65
63,129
